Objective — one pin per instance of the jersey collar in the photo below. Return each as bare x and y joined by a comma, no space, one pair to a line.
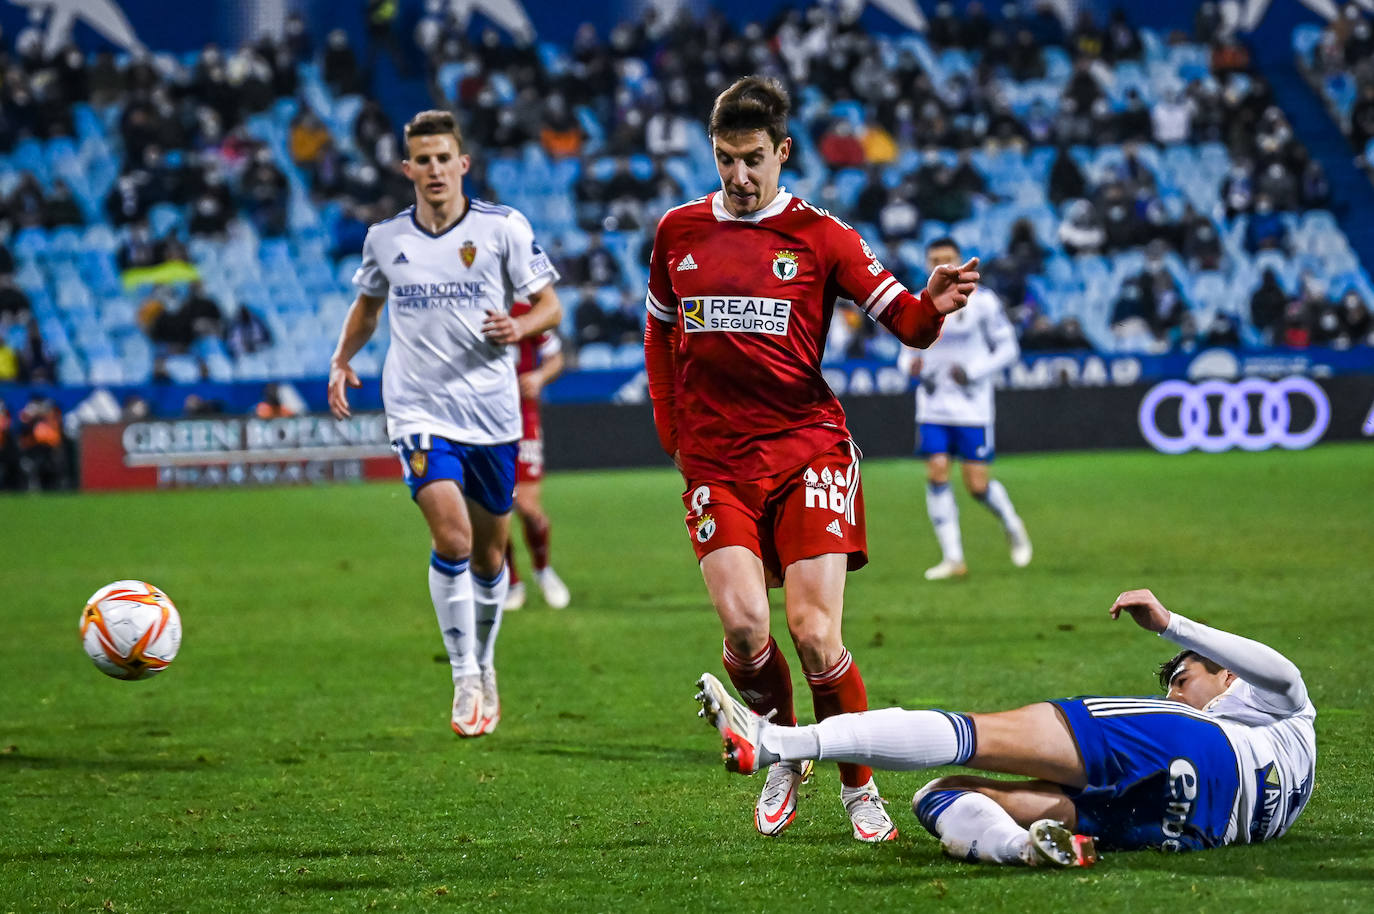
467,207
779,204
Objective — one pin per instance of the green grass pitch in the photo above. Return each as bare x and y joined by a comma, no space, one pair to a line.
297,755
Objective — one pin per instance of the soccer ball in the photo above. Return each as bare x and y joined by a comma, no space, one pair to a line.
130,630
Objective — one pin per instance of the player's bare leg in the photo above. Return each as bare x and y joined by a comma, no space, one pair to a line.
736,582
536,525
450,589
490,533
814,590
515,594
944,517
1010,822
993,495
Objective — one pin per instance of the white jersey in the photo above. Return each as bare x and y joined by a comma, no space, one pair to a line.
1268,719
441,376
977,337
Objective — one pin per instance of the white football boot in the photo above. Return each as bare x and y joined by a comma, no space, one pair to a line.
777,805
1020,543
515,596
555,591
946,570
1052,844
739,726
740,730
868,814
467,706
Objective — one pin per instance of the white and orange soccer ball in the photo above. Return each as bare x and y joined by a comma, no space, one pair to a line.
130,630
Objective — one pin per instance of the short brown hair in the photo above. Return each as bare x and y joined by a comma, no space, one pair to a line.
434,122
1169,668
752,103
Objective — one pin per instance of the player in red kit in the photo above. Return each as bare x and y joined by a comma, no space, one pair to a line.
742,286
538,361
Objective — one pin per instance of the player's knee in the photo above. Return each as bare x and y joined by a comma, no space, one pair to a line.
455,547
746,640
978,492
817,640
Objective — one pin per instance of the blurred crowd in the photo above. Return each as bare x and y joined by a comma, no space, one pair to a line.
642,92
1346,50
648,84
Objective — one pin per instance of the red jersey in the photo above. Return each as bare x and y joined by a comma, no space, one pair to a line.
739,310
529,355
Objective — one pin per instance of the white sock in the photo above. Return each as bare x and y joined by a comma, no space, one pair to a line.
450,588
944,517
891,738
972,826
999,502
489,599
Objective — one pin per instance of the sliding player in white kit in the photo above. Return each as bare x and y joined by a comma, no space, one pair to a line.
954,416
450,267
1228,756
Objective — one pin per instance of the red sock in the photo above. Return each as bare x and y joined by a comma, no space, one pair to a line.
840,690
537,538
510,565
764,682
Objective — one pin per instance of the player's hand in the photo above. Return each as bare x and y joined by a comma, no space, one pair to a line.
958,375
341,377
531,382
500,329
1144,608
950,286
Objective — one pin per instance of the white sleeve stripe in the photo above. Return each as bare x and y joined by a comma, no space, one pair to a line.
886,300
658,310
868,302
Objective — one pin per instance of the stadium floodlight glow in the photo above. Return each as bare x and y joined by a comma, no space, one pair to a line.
1234,415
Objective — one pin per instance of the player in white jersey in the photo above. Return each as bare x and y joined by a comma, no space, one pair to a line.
450,267
954,416
1226,757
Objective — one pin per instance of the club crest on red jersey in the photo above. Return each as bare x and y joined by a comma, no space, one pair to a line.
468,252
785,265
706,528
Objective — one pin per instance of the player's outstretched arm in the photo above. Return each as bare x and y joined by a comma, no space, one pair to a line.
359,325
950,286
1144,607
1258,664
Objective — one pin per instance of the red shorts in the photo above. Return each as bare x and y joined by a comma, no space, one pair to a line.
529,460
814,509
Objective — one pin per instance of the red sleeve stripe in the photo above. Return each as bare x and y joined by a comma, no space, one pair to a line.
868,302
658,311
881,305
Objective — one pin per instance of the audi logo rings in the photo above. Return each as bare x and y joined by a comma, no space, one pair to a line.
1234,415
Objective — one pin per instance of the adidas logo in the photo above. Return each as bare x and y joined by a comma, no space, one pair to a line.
400,258
834,527
686,263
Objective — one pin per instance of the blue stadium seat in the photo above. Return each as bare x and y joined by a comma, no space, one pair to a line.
596,357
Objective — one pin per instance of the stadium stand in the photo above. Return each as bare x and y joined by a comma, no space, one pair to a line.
1074,161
